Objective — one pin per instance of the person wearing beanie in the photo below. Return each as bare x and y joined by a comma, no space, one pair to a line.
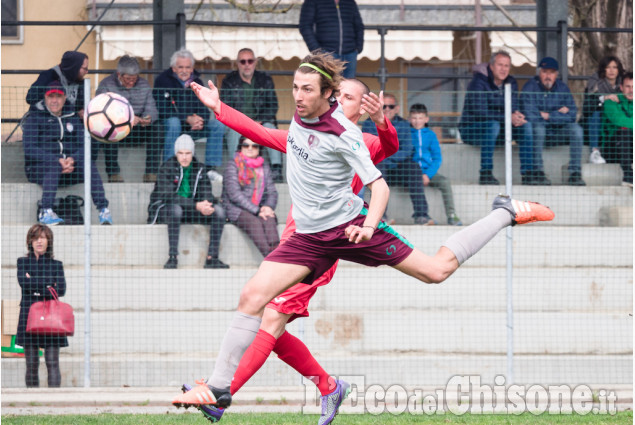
183,194
127,83
70,73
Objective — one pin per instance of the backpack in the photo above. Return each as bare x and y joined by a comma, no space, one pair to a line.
67,208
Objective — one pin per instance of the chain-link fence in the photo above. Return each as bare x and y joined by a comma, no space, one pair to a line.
161,295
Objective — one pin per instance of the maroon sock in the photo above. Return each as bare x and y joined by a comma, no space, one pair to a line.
293,352
253,359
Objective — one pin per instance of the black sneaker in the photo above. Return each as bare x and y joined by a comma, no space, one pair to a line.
172,263
215,263
575,179
487,178
276,173
536,178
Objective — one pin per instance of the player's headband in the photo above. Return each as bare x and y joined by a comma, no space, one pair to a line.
310,65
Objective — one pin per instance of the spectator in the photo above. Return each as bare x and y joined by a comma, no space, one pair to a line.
334,26
617,122
36,273
252,93
400,169
182,112
70,73
602,86
183,194
137,90
54,153
250,196
428,156
483,119
549,106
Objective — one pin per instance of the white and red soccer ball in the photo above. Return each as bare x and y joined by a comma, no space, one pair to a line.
109,117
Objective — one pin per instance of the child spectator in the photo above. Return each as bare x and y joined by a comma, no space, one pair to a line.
428,155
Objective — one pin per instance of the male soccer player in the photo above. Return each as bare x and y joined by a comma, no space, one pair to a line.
325,149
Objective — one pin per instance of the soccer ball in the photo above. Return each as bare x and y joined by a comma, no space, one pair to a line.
109,117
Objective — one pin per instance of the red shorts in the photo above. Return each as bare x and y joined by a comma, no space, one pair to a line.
320,252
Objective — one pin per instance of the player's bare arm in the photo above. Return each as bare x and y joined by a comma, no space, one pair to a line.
376,208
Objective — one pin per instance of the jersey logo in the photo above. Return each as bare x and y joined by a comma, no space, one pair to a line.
313,141
355,146
278,300
391,250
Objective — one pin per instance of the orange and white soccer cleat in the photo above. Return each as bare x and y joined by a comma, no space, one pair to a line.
523,212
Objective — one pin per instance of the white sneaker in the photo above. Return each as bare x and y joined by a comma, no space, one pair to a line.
596,157
214,176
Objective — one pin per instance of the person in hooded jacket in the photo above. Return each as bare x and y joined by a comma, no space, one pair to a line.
183,194
70,73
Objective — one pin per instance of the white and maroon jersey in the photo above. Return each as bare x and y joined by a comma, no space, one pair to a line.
323,155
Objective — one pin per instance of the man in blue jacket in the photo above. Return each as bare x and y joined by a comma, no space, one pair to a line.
549,106
334,26
53,139
182,112
483,119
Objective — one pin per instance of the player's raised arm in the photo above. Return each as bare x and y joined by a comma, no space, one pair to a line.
374,105
209,96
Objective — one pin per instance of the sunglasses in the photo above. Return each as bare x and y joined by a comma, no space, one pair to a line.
390,106
247,61
249,145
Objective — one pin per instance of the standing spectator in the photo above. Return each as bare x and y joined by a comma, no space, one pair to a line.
70,73
483,119
137,90
182,112
428,156
549,106
250,196
36,273
334,26
183,194
54,153
602,86
252,93
400,169
617,122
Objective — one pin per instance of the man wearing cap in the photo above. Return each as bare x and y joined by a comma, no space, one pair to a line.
70,73
548,104
137,90
252,93
183,194
53,141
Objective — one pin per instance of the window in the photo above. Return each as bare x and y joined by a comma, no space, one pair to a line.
12,10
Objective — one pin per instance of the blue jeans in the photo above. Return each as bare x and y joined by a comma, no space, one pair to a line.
570,133
232,137
351,67
487,134
593,126
213,131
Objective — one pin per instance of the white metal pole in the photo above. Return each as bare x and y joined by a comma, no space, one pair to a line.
509,236
87,237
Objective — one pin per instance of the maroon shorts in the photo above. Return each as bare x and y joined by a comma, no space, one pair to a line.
319,251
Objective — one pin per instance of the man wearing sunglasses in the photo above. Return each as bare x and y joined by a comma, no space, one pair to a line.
252,93
400,169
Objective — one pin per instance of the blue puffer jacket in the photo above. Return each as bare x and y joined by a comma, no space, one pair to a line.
174,100
337,29
485,101
427,151
406,150
47,138
535,98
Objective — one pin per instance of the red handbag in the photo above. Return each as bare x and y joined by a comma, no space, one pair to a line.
51,317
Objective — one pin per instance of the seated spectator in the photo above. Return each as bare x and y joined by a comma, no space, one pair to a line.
602,86
137,90
54,153
182,113
483,120
250,196
70,73
617,122
400,169
428,156
548,104
183,194
252,93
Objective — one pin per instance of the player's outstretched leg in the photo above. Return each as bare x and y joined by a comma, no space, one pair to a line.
211,413
202,395
523,212
332,402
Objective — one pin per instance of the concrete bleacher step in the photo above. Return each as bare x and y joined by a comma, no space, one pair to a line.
535,245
